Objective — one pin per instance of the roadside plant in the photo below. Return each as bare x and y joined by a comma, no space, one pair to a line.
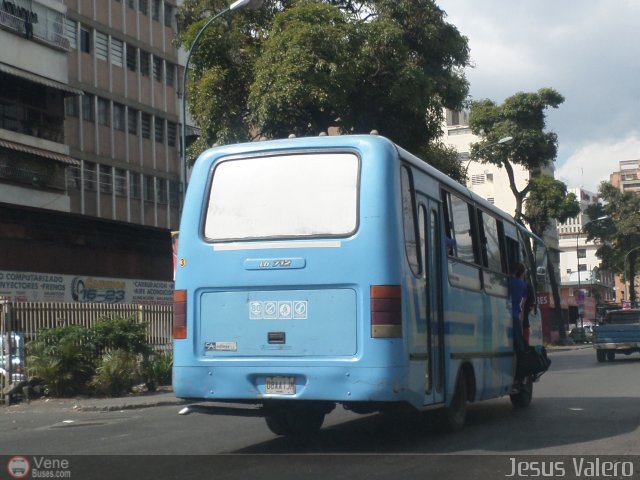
120,333
63,359
117,372
158,369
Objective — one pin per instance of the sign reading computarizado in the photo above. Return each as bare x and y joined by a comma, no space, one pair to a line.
48,287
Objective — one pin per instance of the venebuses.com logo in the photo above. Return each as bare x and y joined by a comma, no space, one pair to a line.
38,467
18,467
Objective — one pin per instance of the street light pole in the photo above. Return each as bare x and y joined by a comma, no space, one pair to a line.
234,6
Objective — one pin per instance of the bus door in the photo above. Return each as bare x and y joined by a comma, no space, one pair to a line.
432,251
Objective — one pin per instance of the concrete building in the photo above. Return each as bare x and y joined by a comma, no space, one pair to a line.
580,269
89,137
627,179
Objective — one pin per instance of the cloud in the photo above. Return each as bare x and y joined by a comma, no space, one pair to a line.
593,162
587,51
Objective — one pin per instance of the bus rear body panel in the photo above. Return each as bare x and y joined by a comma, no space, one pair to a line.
289,317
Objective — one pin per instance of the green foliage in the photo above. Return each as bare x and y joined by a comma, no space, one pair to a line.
618,232
117,372
522,117
304,67
62,358
158,369
67,359
548,199
119,333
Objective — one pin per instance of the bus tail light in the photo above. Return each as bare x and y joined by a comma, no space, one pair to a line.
386,311
180,314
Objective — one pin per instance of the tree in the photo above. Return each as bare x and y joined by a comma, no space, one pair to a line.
548,200
618,233
522,117
304,67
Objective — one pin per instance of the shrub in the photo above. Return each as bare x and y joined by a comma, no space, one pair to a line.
119,333
158,369
117,372
63,358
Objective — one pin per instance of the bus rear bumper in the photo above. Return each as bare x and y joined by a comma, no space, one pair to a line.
334,384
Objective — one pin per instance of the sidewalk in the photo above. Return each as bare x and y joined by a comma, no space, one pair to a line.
95,404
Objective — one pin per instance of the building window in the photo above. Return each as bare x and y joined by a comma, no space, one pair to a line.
157,69
132,58
144,63
582,253
168,15
132,121
103,111
89,176
102,46
477,179
88,110
105,179
145,125
71,106
117,47
171,134
170,75
582,267
85,40
155,10
174,194
143,7
161,190
71,32
118,117
149,188
159,129
120,182
131,3
134,185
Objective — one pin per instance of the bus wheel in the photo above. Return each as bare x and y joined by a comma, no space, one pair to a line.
601,356
611,355
453,416
294,421
525,393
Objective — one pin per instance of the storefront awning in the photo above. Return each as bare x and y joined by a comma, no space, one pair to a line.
32,77
58,157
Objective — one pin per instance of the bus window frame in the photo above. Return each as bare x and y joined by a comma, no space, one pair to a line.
266,154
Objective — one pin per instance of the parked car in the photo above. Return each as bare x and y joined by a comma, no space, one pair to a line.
582,334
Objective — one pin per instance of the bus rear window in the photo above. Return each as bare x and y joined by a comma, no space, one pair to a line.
302,195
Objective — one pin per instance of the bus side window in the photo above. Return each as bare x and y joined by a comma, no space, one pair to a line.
448,224
409,220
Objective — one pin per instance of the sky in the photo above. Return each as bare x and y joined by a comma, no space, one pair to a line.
587,50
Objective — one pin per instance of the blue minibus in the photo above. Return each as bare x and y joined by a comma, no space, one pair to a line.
313,272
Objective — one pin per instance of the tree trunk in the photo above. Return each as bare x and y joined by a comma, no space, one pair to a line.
632,278
557,311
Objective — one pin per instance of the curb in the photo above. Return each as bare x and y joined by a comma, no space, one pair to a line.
132,406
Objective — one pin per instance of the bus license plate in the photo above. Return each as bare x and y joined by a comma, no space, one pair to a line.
280,385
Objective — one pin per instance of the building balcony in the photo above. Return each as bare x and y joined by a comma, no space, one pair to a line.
47,31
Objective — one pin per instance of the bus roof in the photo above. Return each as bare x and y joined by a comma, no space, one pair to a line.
338,141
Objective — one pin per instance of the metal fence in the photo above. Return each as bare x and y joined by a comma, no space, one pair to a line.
29,318
25,321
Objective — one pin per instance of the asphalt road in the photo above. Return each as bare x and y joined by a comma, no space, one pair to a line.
580,408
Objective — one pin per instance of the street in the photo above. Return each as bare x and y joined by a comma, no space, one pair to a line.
580,407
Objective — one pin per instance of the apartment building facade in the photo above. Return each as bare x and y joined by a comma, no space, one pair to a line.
89,138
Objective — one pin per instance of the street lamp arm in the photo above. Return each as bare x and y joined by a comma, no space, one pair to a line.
184,94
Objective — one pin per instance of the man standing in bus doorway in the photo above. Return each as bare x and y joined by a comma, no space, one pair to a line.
518,295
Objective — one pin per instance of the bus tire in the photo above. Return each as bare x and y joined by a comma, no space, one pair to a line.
611,355
601,356
294,421
523,398
453,416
